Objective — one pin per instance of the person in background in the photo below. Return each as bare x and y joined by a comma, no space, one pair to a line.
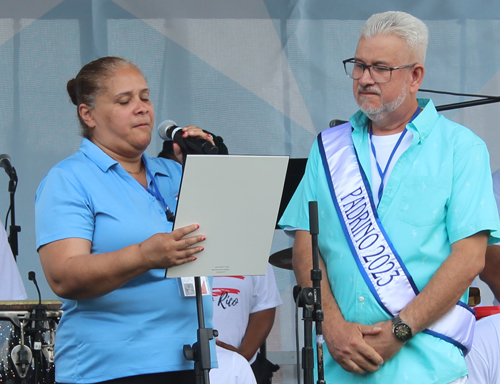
406,210
482,360
104,235
173,151
244,312
490,274
233,368
11,284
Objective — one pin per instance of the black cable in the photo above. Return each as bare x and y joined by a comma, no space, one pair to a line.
459,94
483,99
297,344
7,218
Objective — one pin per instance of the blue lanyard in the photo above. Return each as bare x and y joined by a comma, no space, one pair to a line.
156,193
382,174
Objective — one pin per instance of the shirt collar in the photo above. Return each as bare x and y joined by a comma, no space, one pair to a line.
421,125
105,162
97,155
426,120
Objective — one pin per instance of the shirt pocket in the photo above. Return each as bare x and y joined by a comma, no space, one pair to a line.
423,201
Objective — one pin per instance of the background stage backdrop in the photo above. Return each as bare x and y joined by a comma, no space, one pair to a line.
266,75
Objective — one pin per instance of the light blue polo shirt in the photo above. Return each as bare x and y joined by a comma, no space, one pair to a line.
141,327
439,191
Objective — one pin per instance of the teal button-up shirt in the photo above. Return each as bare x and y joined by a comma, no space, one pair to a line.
439,191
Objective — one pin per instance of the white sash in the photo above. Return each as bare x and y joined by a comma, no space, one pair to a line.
379,263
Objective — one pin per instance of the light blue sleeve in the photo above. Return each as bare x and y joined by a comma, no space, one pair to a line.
62,209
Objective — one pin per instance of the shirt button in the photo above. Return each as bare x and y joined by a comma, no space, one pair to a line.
361,299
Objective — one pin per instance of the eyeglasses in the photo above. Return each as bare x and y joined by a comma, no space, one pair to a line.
379,73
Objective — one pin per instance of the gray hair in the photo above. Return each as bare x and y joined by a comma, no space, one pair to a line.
412,30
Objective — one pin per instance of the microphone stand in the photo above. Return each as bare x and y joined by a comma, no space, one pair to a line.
13,229
199,352
310,299
38,318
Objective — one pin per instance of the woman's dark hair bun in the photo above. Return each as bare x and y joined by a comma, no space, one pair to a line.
71,88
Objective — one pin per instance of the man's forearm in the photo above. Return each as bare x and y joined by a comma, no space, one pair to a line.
258,328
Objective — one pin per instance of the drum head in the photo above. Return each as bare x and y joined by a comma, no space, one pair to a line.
27,305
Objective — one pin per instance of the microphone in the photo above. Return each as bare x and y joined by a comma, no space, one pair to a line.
169,130
32,277
7,165
38,317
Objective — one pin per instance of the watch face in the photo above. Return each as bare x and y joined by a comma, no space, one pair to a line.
402,331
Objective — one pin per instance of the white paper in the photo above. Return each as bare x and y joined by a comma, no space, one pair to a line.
235,200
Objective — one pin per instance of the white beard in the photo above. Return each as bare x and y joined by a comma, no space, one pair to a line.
378,114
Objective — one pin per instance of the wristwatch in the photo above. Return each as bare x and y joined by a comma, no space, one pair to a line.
401,330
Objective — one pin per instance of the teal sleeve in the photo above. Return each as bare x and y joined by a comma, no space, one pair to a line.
472,206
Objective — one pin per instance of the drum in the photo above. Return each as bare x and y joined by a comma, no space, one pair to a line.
27,337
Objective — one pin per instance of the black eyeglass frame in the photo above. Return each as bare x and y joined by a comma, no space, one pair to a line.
352,60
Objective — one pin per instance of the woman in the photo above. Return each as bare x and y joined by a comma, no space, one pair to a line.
104,235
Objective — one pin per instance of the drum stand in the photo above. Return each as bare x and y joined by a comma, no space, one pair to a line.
21,355
310,299
31,359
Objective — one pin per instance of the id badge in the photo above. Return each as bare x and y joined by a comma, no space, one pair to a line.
187,287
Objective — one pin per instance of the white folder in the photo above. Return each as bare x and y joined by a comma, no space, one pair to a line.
235,200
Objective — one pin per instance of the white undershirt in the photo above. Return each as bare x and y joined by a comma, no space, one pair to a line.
383,147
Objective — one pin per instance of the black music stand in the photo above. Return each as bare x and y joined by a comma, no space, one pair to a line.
294,173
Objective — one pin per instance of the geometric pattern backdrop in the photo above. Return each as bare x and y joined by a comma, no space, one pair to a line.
266,75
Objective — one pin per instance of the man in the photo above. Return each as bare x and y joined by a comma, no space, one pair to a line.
244,311
11,284
492,266
405,212
232,368
482,361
